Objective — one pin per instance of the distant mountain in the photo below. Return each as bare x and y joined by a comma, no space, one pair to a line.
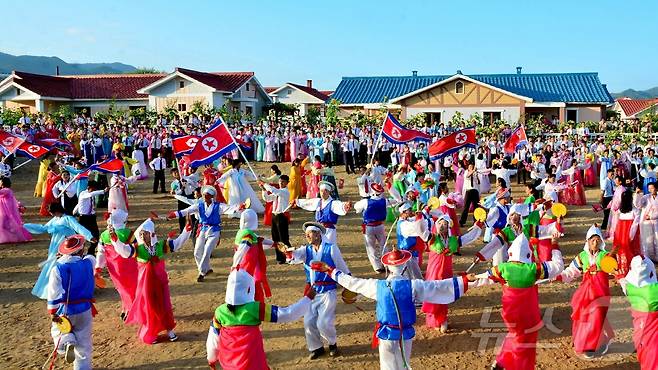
634,94
48,66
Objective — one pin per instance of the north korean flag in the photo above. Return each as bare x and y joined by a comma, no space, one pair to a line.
32,151
184,144
516,140
449,144
212,145
82,175
398,134
114,165
243,143
9,143
51,143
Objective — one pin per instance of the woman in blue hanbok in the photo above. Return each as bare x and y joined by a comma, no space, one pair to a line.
59,227
260,146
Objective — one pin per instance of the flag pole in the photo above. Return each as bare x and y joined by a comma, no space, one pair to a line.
22,164
379,137
240,150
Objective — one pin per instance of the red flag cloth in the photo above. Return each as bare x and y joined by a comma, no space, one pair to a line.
9,143
517,139
523,320
645,337
108,166
398,134
212,145
32,151
452,143
589,326
184,144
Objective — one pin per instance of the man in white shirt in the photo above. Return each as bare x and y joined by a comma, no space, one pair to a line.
280,199
471,192
327,210
86,211
374,230
66,193
363,182
349,149
158,165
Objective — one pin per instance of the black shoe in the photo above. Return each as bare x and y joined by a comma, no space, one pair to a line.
316,353
123,316
281,262
199,279
210,271
333,350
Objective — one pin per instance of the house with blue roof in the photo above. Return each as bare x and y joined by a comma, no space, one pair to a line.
512,97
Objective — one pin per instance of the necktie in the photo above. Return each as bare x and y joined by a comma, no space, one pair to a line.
276,204
366,186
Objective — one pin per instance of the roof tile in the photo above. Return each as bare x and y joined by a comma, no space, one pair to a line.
547,87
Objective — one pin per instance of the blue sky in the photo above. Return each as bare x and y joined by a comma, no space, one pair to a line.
324,41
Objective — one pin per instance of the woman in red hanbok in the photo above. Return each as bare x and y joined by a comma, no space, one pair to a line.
152,309
574,194
441,248
48,197
626,240
590,171
273,180
590,327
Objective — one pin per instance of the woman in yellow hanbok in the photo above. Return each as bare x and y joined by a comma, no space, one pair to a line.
39,188
295,184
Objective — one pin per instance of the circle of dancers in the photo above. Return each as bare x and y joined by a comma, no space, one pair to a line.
402,191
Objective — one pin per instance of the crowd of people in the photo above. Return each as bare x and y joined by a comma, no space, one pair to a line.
398,185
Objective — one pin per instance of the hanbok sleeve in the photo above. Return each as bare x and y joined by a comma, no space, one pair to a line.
36,228
194,208
79,229
551,269
308,204
487,252
175,244
289,313
440,291
572,272
54,291
337,257
365,287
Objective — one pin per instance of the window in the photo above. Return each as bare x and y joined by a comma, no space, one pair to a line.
18,91
572,115
247,86
289,91
490,117
182,107
432,118
459,87
248,110
181,84
136,107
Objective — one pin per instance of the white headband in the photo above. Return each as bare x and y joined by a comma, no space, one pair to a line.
313,228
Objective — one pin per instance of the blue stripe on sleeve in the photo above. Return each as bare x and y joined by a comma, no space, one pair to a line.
455,286
545,267
275,313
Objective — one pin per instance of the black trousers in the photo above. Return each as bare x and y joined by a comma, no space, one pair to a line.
606,212
520,172
472,198
69,204
159,179
280,234
349,162
89,223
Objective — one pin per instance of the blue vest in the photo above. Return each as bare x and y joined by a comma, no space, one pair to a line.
406,244
325,282
81,276
212,222
387,316
326,216
501,222
375,211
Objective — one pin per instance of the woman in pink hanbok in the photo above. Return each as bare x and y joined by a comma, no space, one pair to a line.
11,223
459,169
314,177
574,194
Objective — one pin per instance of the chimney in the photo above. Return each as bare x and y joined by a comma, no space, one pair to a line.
414,73
309,84
459,71
56,70
518,70
605,86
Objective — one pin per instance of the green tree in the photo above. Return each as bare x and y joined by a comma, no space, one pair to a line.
10,116
313,116
333,108
146,70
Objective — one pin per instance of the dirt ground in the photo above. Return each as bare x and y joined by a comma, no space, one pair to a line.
475,323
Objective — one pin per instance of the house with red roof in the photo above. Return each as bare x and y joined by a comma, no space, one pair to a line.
92,93
634,109
180,90
183,88
304,97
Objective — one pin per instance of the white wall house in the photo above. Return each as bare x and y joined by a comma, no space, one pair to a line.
303,97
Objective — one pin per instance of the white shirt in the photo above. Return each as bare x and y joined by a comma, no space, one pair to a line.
363,183
86,202
158,164
280,198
